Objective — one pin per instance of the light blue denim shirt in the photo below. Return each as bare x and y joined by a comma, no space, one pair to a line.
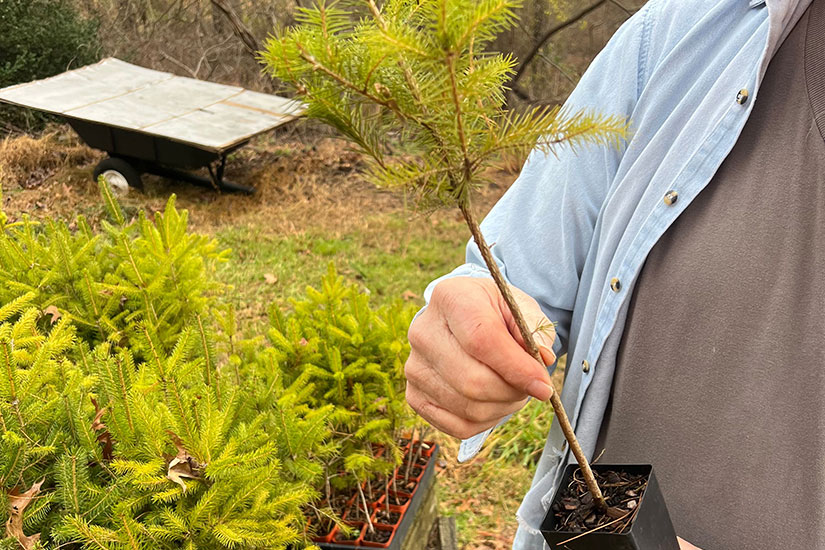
686,73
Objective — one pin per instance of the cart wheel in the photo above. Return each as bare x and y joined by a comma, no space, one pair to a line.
119,174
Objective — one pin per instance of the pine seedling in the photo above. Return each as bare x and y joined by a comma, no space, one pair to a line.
421,71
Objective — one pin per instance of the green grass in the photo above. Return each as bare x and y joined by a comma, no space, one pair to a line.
394,260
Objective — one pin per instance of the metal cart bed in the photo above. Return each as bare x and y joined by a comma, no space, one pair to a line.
154,122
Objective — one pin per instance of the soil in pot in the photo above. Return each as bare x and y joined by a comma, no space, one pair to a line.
324,529
575,511
390,518
637,517
339,503
340,536
378,535
399,499
375,489
406,486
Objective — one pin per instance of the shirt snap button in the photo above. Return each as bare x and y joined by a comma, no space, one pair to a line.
615,284
585,366
742,96
671,197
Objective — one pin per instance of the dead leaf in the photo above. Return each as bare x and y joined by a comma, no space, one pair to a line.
104,438
270,278
54,312
183,465
17,506
409,295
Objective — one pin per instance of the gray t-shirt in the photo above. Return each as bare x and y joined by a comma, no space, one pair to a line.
720,377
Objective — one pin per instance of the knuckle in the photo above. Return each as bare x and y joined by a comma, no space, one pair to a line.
467,430
412,369
473,387
413,399
417,334
477,412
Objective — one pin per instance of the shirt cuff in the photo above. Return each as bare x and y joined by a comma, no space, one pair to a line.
470,447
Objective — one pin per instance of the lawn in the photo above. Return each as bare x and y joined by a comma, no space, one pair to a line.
312,208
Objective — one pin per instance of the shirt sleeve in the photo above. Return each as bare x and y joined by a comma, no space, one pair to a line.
542,228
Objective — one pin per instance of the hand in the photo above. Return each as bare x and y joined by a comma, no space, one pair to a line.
685,545
467,367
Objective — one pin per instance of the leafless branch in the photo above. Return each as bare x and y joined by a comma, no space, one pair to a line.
548,35
251,43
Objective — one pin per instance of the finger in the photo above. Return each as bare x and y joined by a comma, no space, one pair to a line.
485,336
446,397
439,356
442,419
685,545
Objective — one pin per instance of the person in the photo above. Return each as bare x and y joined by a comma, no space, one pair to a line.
682,271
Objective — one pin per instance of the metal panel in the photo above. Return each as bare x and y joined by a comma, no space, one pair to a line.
115,93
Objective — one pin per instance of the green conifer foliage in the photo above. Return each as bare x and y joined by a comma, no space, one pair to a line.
119,420
133,415
337,351
109,283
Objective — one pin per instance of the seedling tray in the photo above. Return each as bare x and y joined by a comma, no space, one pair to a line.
408,516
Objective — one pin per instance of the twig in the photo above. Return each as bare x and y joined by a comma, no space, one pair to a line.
240,30
548,35
532,349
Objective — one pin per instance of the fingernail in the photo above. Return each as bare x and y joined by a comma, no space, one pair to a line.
540,390
547,356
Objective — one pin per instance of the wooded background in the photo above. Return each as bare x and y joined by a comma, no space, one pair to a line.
554,40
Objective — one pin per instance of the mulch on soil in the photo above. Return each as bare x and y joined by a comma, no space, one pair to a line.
576,511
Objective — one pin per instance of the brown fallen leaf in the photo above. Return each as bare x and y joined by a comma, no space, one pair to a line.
17,506
408,295
54,312
270,278
183,465
104,437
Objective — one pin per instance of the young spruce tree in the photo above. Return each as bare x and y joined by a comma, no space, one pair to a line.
421,72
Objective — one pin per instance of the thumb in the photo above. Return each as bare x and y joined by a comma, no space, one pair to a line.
543,330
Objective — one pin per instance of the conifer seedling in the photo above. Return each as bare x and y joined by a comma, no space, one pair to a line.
419,74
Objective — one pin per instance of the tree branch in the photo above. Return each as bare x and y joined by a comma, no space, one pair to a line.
547,36
251,44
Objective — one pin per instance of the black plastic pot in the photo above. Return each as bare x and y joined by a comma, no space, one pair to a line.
651,529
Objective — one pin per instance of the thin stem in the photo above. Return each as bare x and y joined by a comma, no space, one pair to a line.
533,350
366,508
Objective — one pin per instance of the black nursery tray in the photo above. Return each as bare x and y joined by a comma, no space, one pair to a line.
407,519
651,529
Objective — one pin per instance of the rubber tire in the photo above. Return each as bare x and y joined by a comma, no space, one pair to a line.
124,168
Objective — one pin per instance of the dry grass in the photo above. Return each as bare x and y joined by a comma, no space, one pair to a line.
27,162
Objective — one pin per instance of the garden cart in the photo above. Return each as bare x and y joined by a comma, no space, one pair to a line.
155,122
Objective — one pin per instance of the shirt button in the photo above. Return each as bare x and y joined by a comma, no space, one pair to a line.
585,366
742,96
671,197
615,284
